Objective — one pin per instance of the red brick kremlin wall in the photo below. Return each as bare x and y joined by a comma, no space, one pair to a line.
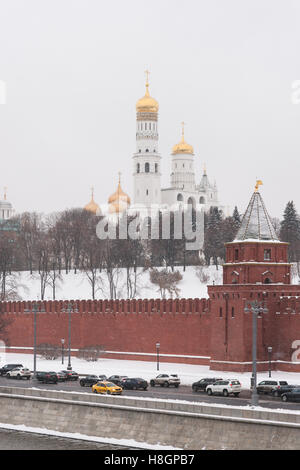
213,331
182,327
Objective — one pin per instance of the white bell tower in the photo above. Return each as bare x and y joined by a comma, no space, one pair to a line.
146,160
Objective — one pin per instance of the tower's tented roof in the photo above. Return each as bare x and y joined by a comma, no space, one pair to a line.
256,223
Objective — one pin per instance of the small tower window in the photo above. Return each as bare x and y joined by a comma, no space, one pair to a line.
147,192
221,312
156,167
138,168
145,126
267,254
236,254
150,126
147,167
232,312
147,150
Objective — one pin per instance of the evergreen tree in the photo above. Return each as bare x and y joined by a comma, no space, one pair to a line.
213,240
290,231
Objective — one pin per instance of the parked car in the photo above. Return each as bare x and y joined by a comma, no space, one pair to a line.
225,388
107,387
293,395
280,389
116,379
134,384
47,377
19,373
70,374
102,377
8,367
267,386
165,380
62,376
201,385
89,380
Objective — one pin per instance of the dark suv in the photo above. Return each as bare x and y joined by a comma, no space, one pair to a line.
279,390
89,380
47,377
267,386
8,368
134,384
201,385
117,379
70,374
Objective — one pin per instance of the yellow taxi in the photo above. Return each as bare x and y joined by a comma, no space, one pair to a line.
107,387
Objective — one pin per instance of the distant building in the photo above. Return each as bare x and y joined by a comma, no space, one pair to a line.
6,208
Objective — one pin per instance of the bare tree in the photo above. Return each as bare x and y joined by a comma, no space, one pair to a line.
167,281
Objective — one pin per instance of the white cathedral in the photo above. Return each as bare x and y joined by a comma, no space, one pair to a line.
184,188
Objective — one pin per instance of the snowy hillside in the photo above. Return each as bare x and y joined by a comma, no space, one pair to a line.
77,286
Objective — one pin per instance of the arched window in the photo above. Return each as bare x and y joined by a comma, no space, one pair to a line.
191,201
147,167
138,168
156,167
179,197
147,150
202,200
267,281
145,126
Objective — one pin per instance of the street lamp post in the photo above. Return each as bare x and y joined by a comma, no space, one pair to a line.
70,308
157,354
269,356
255,307
62,350
35,309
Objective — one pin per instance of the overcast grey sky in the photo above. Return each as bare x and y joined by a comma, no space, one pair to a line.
74,70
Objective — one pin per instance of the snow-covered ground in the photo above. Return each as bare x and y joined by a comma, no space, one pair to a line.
188,373
76,286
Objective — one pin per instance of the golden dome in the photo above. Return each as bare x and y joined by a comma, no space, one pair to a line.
147,104
183,147
92,206
118,201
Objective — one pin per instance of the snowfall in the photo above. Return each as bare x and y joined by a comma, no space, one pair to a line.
76,286
147,370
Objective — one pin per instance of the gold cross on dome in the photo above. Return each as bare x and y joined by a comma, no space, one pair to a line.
147,76
5,191
92,189
182,132
119,173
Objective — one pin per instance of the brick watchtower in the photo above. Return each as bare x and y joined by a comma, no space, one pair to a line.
256,268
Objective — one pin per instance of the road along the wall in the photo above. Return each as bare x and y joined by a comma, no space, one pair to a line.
178,424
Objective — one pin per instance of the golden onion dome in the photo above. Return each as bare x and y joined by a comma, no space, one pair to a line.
147,104
119,201
183,147
92,206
